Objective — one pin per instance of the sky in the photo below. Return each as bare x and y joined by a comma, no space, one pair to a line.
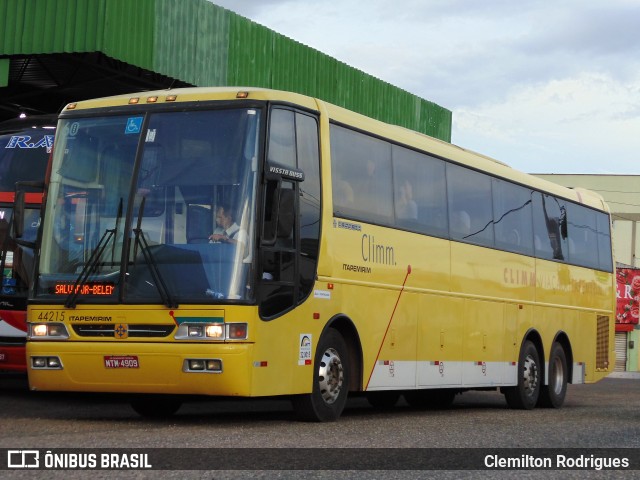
544,86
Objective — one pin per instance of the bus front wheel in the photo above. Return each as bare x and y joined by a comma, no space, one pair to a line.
552,395
330,381
525,395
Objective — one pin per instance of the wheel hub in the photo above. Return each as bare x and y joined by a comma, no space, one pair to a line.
330,376
530,376
558,376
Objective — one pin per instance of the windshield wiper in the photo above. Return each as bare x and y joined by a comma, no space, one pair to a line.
94,259
150,261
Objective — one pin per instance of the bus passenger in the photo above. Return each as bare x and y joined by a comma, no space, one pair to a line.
343,194
406,207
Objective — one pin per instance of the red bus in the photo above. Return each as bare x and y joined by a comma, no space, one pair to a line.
25,145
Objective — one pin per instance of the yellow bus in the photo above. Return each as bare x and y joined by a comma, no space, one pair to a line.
251,243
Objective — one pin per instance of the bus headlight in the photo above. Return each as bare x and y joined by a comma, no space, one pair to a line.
202,365
208,331
194,330
200,331
215,331
46,363
48,331
212,331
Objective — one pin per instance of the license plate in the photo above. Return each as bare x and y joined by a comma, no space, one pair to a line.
121,361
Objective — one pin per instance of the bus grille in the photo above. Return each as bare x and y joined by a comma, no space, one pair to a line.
602,343
133,330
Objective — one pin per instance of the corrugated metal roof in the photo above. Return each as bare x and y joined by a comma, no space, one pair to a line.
199,43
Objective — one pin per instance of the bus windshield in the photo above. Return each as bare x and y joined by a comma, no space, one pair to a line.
23,156
151,208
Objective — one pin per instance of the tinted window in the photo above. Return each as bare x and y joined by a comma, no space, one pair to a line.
309,163
550,227
430,196
361,175
583,238
282,138
513,223
289,274
470,206
23,157
419,192
605,261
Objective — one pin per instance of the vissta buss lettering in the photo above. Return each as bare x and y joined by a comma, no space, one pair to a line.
285,171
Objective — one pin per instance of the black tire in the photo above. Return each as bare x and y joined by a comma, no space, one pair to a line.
433,399
383,400
525,395
552,395
155,406
330,382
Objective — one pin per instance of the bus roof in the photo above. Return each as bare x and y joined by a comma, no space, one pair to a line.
401,135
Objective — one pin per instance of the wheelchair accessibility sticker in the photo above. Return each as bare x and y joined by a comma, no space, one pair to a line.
134,125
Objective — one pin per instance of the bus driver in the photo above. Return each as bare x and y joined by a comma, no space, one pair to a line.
228,230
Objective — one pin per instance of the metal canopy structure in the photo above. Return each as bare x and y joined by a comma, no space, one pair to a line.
40,84
53,52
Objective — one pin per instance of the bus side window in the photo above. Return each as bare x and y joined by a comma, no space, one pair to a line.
548,219
583,242
470,204
364,164
512,217
460,224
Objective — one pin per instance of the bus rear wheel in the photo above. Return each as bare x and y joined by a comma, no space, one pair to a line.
525,395
330,382
552,395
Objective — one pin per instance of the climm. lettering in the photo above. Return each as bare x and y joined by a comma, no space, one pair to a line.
519,277
376,252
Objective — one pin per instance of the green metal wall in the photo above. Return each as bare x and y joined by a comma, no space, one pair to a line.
203,44
51,26
261,57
